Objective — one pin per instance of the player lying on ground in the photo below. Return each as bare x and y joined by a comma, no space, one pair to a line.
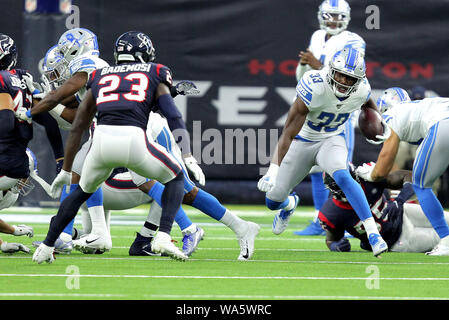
402,225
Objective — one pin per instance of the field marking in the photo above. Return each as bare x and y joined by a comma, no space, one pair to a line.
37,294
137,276
278,297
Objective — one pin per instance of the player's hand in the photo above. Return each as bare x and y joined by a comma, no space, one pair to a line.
63,178
59,164
342,245
7,247
23,114
266,183
307,57
23,230
383,137
195,169
43,253
364,171
393,209
186,88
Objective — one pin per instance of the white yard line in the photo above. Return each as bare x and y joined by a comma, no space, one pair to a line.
72,295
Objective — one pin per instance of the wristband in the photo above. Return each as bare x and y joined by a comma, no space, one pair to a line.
28,113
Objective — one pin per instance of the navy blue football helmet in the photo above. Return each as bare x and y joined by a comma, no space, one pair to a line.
8,52
134,46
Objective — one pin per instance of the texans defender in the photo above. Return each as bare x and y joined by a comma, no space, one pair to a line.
313,135
123,95
76,56
403,225
426,123
333,18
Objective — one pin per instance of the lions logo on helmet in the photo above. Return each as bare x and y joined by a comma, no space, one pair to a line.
351,63
76,42
334,16
8,52
134,46
391,97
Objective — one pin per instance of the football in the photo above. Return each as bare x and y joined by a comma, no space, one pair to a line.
370,123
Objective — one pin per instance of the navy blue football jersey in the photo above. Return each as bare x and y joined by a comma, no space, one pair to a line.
13,158
338,216
125,94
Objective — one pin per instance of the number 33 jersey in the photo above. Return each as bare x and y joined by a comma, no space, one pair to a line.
327,113
125,94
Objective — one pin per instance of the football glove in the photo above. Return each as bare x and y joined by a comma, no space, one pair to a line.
364,171
266,183
43,253
383,137
393,209
195,169
23,114
63,178
186,88
7,247
342,245
23,230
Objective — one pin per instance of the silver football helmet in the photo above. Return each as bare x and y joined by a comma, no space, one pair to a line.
391,97
334,16
351,63
53,67
76,42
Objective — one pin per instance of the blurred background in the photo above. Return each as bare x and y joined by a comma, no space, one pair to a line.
242,55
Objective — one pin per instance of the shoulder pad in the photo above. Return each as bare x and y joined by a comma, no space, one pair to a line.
164,74
82,64
311,83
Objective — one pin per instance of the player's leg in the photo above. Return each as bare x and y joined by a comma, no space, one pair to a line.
431,161
337,167
298,161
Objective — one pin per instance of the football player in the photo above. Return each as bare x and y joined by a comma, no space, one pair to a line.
312,135
403,225
75,58
333,18
426,123
124,96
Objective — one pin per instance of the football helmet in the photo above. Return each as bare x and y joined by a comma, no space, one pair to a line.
53,67
134,46
351,63
334,16
391,97
76,42
8,52
333,187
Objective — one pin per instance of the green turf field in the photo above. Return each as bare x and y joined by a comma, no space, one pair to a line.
283,267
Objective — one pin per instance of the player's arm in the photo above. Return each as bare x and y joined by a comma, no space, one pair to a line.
7,117
400,179
386,157
336,241
307,58
295,120
83,119
68,89
395,180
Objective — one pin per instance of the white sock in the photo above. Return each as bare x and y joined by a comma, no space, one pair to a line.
65,237
98,221
291,203
87,223
236,224
190,229
370,226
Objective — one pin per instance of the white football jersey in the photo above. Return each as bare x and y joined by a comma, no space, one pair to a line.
411,120
324,50
327,113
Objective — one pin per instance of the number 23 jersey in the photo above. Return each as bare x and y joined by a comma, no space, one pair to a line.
125,94
327,113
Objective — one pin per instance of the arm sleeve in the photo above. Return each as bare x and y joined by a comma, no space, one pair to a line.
53,133
175,122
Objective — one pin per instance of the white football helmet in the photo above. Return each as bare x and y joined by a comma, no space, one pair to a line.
334,16
391,97
53,67
349,62
20,186
76,42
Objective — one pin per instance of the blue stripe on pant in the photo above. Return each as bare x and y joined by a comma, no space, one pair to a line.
422,159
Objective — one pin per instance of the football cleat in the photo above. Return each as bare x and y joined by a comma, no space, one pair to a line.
43,253
162,243
281,219
142,246
93,244
313,229
377,244
190,241
246,242
439,250
61,247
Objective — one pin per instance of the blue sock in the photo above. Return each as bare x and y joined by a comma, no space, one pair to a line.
432,209
354,193
96,199
69,228
275,205
208,204
181,217
319,191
